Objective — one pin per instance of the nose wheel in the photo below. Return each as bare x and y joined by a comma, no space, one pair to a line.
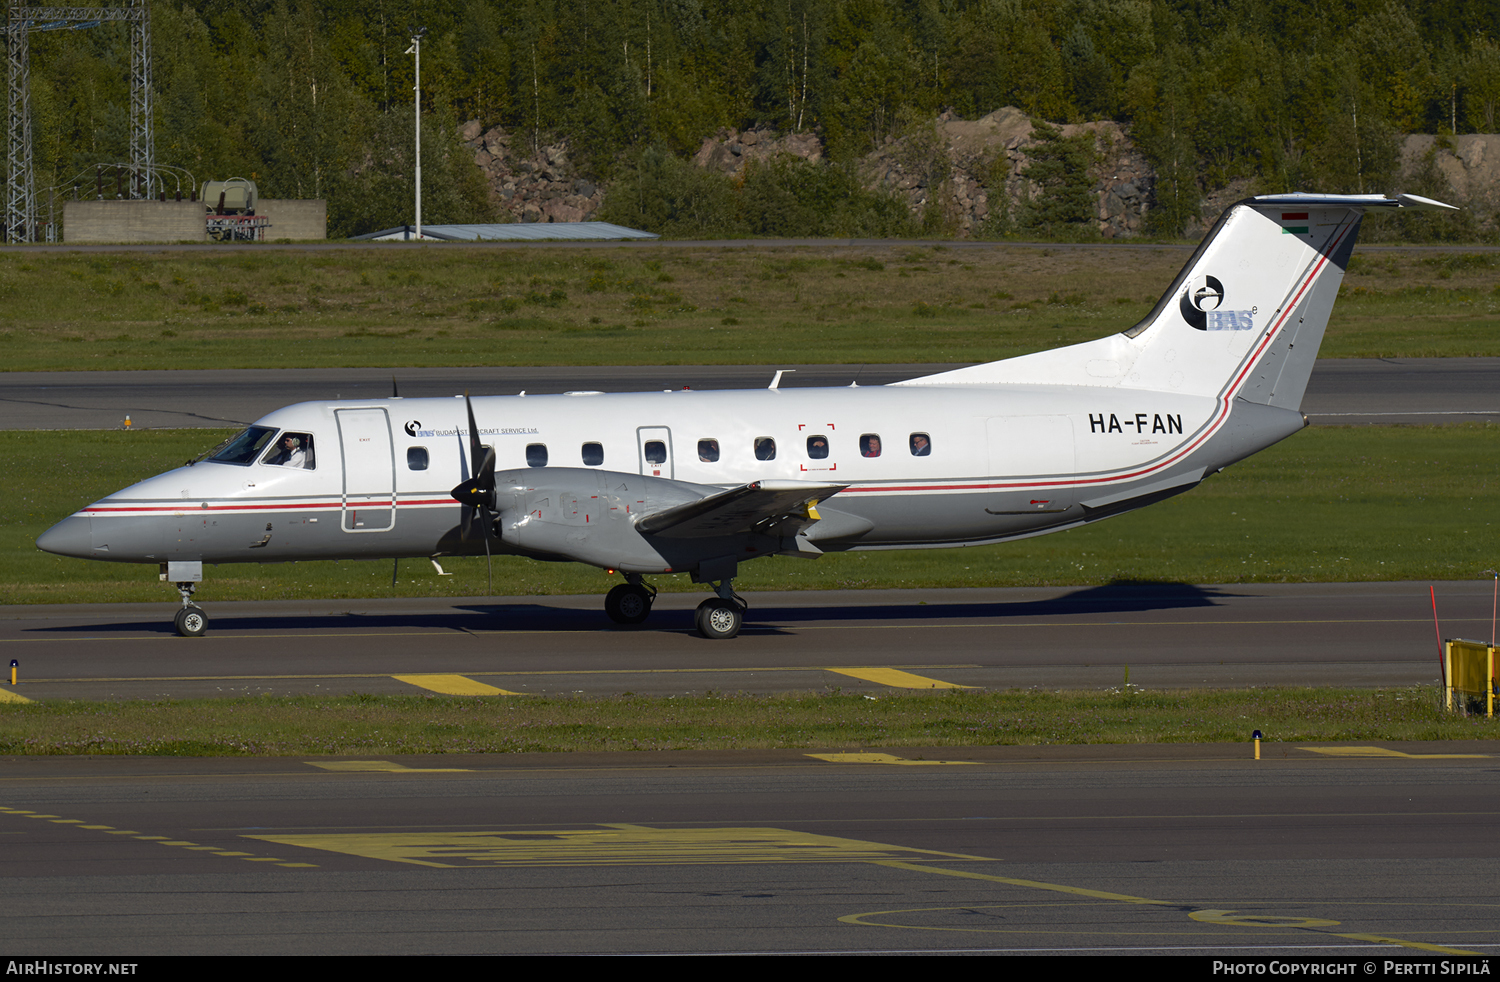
191,621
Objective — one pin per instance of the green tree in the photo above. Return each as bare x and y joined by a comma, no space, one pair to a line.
1481,77
1062,170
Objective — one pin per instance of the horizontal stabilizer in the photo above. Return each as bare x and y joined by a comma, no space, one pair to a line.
739,509
1303,200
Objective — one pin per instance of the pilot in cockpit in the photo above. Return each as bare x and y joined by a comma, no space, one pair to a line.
293,451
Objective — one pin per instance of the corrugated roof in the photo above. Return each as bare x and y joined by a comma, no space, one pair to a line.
519,231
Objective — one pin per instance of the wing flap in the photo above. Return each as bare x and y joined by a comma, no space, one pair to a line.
760,504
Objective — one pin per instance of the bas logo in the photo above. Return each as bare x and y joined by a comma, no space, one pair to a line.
1200,307
412,426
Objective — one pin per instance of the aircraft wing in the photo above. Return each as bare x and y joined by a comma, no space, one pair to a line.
765,506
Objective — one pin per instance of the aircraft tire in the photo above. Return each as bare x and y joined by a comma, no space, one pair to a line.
628,604
717,618
191,622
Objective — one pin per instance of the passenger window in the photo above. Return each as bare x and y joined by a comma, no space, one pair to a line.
292,450
708,450
593,454
817,447
765,448
656,452
921,446
869,445
416,458
536,455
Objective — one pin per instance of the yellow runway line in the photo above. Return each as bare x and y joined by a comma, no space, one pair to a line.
881,759
896,679
453,685
1386,752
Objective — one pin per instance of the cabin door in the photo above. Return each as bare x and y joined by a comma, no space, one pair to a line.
369,470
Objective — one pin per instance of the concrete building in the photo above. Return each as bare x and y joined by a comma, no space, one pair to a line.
116,221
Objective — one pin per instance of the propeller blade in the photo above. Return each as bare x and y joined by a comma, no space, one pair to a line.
476,450
477,493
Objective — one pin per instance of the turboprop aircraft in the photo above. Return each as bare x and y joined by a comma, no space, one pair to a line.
700,482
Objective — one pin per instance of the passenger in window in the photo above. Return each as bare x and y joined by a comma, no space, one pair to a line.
817,447
708,451
920,445
656,452
765,448
869,445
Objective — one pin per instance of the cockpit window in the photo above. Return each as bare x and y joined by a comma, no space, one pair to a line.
292,450
246,447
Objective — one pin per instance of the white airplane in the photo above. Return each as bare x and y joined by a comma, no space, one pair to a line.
699,482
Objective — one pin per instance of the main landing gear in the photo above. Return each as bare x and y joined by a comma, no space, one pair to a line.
630,602
191,621
717,617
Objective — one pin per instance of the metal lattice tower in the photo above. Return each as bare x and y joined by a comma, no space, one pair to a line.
20,193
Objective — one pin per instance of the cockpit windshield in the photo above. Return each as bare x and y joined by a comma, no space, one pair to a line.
246,447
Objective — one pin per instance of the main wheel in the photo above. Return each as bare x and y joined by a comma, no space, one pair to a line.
628,604
718,618
191,622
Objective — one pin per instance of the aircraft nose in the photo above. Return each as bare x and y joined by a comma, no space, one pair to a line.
73,536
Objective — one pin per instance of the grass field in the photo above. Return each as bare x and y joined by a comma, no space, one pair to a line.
1328,504
422,724
452,305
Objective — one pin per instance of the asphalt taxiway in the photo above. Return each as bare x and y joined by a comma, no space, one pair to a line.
1155,636
1367,852
1342,391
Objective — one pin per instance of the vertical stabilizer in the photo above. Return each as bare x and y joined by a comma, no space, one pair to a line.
1244,318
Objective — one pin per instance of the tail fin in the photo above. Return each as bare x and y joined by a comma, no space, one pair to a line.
1244,317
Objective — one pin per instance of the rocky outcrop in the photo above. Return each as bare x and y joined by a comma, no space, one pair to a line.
728,152
531,187
1470,164
971,169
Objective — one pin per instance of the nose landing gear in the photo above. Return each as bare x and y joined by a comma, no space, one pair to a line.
191,621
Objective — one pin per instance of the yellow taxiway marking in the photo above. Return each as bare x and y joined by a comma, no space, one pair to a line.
881,759
1257,920
161,840
1223,917
453,685
7,695
1384,752
547,673
605,845
896,679
381,767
